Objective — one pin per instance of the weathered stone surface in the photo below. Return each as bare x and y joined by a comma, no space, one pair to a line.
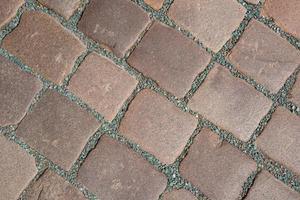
58,128
156,4
44,45
8,9
181,194
64,8
157,56
158,126
112,171
216,167
295,92
102,85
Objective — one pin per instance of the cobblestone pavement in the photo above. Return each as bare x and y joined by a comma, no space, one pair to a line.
149,99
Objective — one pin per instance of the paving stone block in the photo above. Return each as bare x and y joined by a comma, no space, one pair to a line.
115,23
156,4
285,13
211,21
265,56
58,128
64,8
17,90
267,187
295,92
158,126
216,167
280,139
17,169
102,85
230,103
8,9
169,58
44,45
179,195
112,171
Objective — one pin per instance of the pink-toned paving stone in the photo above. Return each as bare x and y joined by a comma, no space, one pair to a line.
216,167
8,9
116,23
265,56
156,4
280,139
17,90
17,169
158,126
58,128
212,22
295,92
253,1
64,8
50,186
267,187
43,44
285,13
157,57
113,171
181,194
230,103
102,85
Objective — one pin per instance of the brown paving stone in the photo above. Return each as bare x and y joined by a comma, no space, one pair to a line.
8,9
116,23
50,186
157,57
17,90
216,167
113,172
295,92
156,4
280,139
265,56
65,8
210,21
285,13
253,1
58,128
17,169
43,44
181,194
158,126
102,85
230,103
266,187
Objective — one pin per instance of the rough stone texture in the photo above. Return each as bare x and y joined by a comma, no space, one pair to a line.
212,21
17,90
50,186
267,187
230,103
216,167
253,1
56,122
43,44
102,85
116,23
157,126
8,9
64,8
17,169
265,56
280,139
157,57
181,194
285,13
112,171
156,4
295,92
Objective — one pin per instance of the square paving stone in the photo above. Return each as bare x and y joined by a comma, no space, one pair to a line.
230,103
113,172
17,90
64,8
58,128
158,126
17,169
102,84
44,45
211,21
115,23
280,139
265,56
267,187
169,58
218,169
8,9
